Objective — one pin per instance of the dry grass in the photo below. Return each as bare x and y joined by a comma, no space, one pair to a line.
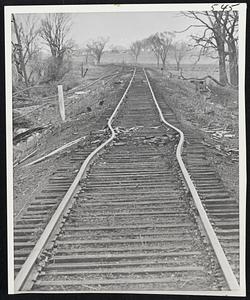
219,110
79,108
199,114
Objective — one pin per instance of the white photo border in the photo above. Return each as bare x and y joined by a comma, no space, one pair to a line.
241,8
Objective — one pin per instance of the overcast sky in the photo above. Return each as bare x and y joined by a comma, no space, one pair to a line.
123,28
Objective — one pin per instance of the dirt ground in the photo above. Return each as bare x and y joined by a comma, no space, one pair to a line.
213,116
43,114
28,180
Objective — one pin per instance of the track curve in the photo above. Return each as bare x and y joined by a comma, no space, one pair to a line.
130,226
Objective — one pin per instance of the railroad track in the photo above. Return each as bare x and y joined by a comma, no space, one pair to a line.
34,216
222,209
132,219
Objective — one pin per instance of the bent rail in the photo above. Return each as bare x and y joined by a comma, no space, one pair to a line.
224,264
30,261
26,269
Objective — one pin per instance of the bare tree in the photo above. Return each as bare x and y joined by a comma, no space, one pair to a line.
153,42
180,51
25,49
136,49
165,44
54,31
220,35
231,28
18,50
96,48
86,54
32,51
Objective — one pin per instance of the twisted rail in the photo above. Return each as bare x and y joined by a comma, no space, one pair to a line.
29,263
26,269
224,264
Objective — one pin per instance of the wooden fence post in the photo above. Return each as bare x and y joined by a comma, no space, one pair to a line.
61,102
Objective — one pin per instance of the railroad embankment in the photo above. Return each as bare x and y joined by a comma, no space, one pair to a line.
213,115
85,110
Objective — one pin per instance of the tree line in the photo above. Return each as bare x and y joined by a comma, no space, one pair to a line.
53,31
218,40
160,44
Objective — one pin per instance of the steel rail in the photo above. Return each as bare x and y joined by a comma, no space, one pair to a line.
224,264
30,261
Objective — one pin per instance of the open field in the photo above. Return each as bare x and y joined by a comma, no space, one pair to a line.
203,68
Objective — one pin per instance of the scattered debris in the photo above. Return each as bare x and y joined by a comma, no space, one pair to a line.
233,150
27,133
81,93
127,130
119,144
17,162
118,82
171,90
217,135
203,80
221,150
72,97
229,135
160,140
21,130
55,151
219,132
95,141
